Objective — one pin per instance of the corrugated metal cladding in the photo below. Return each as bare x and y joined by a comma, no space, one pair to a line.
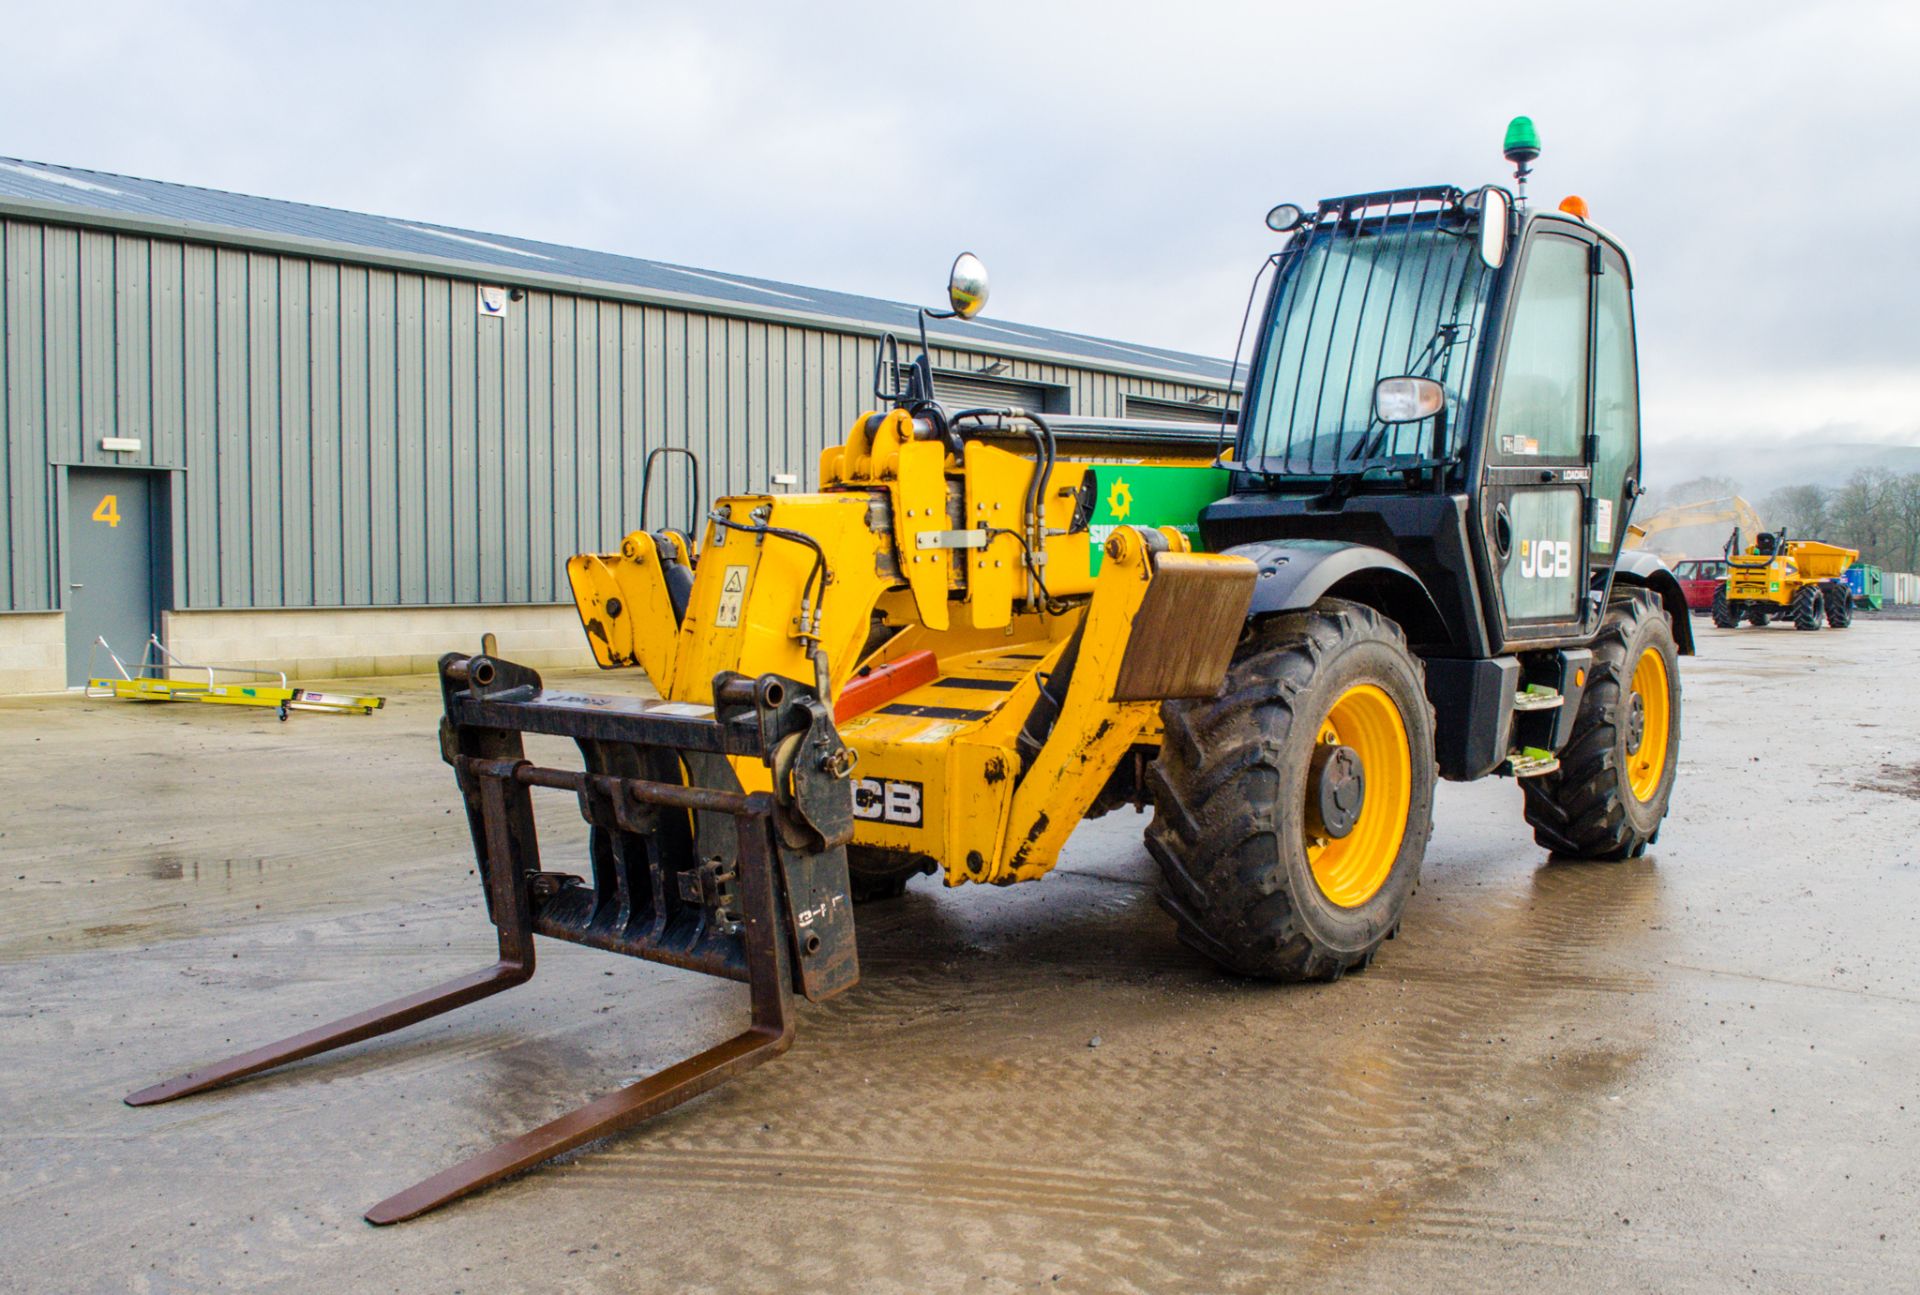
352,435
47,191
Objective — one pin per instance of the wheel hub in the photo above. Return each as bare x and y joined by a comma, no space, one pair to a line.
1636,723
1336,790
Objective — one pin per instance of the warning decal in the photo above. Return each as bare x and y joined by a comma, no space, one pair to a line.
733,592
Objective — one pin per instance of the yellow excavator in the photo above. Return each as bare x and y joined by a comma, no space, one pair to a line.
1658,531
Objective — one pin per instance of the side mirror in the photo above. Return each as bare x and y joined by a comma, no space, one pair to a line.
1407,400
1496,210
967,285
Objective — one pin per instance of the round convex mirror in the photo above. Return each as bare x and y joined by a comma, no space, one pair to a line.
967,285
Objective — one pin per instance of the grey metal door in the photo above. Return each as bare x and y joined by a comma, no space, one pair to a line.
111,560
1172,411
959,391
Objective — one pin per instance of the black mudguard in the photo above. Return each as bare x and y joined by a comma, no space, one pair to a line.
1636,568
1295,574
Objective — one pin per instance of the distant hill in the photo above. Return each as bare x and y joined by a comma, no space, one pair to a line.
1759,467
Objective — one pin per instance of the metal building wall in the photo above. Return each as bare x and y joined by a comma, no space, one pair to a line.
352,435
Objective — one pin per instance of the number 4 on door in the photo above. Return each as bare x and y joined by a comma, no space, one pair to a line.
108,511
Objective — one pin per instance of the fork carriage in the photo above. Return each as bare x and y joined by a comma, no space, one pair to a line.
688,870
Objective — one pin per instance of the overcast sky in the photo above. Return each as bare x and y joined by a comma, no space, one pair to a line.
1111,162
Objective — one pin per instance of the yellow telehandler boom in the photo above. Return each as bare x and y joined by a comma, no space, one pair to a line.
942,660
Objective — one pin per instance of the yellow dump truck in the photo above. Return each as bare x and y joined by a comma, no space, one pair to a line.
1778,578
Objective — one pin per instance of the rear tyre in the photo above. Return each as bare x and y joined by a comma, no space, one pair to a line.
876,874
1723,617
1839,605
1607,798
1759,617
1805,608
1292,811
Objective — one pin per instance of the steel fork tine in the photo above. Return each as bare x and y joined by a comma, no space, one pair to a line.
369,1024
771,1033
505,874
597,1119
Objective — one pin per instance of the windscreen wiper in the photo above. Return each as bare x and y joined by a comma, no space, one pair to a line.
1444,339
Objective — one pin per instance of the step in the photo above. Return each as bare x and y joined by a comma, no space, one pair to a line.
1537,697
1531,762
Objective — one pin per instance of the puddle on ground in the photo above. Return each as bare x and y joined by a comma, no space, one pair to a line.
167,867
1894,780
1305,1117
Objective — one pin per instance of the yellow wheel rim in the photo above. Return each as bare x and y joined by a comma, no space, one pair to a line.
1652,717
1351,869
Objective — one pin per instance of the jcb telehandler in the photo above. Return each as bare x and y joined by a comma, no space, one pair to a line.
981,629
1777,578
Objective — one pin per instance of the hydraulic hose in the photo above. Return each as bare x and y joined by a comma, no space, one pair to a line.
1044,449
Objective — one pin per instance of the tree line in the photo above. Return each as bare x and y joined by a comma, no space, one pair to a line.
1875,511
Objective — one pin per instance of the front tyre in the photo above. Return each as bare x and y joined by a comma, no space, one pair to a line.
1723,613
1806,609
1291,812
1616,774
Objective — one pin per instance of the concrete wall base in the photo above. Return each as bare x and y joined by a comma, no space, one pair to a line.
33,652
335,643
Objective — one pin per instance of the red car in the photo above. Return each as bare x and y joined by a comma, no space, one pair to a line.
1700,579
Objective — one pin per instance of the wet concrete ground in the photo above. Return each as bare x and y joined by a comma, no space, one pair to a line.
1695,1071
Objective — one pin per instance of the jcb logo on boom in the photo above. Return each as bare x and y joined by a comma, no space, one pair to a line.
1546,559
887,802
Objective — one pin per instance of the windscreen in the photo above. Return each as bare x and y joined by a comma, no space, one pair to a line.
1361,299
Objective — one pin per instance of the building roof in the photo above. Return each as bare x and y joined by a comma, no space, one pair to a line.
43,190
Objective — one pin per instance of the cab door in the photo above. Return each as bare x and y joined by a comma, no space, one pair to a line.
1538,470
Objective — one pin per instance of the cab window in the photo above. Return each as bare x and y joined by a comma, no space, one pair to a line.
1616,404
1542,409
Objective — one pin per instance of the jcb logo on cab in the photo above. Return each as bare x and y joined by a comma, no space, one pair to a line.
1546,559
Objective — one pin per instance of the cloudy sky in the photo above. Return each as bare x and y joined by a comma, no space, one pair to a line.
1111,162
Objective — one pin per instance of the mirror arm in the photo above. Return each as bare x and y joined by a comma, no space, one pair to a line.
925,360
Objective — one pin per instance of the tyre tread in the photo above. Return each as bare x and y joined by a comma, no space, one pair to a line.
1214,844
1578,811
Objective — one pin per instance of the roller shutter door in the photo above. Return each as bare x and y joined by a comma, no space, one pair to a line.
959,391
1172,411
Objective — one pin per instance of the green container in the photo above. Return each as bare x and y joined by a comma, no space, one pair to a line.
1868,583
